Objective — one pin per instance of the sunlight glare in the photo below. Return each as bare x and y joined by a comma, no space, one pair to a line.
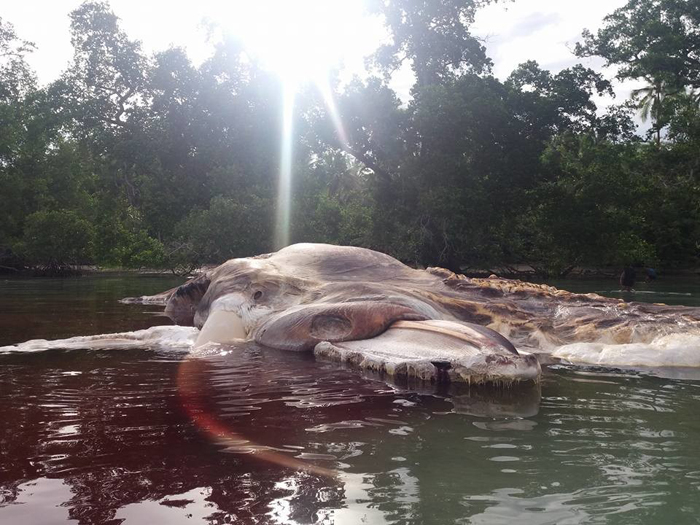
300,40
329,100
284,190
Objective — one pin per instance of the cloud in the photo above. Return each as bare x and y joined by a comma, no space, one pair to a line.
545,31
532,24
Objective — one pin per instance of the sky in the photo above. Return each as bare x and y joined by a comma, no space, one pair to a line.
542,30
546,31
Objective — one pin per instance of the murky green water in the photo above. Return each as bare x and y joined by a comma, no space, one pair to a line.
668,290
150,437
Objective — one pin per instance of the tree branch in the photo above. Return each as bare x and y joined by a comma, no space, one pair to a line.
384,174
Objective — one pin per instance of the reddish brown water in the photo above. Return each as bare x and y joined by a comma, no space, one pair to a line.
259,436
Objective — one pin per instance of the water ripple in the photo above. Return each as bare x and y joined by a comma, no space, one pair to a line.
114,432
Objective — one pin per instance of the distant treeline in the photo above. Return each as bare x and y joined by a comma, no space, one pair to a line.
133,160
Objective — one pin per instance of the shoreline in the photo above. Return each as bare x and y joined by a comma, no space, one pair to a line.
523,272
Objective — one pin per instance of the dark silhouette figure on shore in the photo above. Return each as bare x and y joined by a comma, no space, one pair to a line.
627,278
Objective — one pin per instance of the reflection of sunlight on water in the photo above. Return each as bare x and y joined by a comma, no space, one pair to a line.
508,505
281,508
192,506
359,503
592,446
362,505
69,430
38,499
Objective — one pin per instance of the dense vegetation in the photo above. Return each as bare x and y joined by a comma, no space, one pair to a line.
133,160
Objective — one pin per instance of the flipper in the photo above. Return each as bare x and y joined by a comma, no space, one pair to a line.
304,327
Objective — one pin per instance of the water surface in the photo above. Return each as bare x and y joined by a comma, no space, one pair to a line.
144,437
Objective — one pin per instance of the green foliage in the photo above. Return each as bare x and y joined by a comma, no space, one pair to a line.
228,228
650,39
119,245
16,78
332,204
108,71
141,250
558,102
587,213
433,36
146,161
56,238
17,85
653,40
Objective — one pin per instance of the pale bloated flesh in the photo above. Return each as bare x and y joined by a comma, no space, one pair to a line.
535,318
221,327
435,352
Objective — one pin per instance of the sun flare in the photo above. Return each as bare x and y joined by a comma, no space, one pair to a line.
302,39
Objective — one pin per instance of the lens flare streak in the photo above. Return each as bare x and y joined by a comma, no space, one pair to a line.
284,189
191,389
329,101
